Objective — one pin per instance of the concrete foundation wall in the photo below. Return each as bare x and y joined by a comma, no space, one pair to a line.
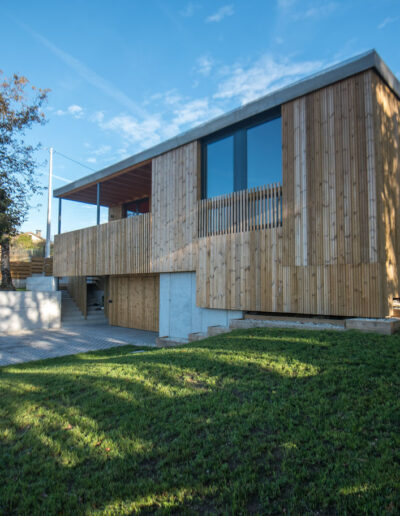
39,283
179,314
21,311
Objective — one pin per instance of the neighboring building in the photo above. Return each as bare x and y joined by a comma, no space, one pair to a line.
25,245
36,237
289,204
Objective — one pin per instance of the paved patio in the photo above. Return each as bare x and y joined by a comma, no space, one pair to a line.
40,344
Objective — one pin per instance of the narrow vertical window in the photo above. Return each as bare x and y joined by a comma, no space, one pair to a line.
264,153
220,169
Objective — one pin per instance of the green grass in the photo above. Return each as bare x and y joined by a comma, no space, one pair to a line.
260,421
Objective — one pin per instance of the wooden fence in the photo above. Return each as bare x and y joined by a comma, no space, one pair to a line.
247,210
37,265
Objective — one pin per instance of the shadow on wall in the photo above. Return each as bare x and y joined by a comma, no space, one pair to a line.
21,311
389,169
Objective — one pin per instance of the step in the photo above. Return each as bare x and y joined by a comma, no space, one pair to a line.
384,326
212,331
295,318
168,342
244,324
100,317
193,337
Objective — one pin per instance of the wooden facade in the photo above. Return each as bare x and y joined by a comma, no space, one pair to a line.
134,301
328,243
118,247
175,192
77,289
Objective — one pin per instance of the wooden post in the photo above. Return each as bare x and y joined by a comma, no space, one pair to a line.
98,203
59,215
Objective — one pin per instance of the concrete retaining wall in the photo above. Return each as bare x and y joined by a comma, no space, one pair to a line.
40,283
179,315
21,311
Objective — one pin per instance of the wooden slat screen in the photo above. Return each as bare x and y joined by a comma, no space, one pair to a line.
118,247
246,210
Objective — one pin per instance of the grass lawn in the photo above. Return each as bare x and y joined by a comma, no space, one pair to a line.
260,421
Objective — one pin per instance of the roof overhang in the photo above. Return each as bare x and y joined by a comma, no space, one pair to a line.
123,186
336,73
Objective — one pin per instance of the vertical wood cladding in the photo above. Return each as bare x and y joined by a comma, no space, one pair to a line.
119,247
135,301
326,259
329,181
386,110
77,289
338,249
175,192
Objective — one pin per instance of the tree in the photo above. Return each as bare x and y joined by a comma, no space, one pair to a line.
20,109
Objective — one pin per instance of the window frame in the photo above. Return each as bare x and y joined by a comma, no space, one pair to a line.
239,133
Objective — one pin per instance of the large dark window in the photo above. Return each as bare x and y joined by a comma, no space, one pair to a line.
220,167
264,153
244,157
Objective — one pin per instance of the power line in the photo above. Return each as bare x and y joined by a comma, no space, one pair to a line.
73,160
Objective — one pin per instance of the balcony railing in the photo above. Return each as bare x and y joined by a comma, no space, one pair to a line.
118,247
247,210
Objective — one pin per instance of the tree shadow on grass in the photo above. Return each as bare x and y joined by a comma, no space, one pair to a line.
262,421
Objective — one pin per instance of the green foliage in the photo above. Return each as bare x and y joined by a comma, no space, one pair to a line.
260,421
24,241
20,109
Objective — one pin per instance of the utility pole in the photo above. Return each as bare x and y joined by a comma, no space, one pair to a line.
50,192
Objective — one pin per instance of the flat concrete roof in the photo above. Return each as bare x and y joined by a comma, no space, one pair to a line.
353,66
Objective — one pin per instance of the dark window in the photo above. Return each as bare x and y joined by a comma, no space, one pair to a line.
220,179
244,157
264,153
134,208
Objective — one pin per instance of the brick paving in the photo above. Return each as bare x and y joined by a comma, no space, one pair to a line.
40,344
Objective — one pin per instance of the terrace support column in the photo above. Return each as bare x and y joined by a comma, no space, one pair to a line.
98,203
59,215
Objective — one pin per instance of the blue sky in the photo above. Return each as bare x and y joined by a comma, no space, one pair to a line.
125,75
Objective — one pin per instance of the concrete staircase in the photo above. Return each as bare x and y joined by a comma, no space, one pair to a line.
95,314
72,316
70,313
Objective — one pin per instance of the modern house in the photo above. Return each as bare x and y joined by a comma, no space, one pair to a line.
287,205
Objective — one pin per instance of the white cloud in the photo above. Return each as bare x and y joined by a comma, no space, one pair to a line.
317,11
286,4
386,21
223,12
92,160
204,65
306,10
263,76
63,179
171,97
73,110
145,133
103,149
195,112
190,9
97,116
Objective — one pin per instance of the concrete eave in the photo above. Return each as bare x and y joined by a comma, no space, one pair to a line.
343,70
